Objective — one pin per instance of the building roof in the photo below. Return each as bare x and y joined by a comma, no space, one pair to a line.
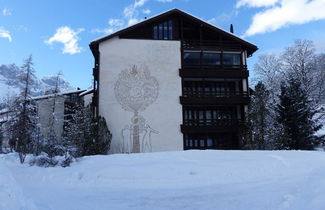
89,91
57,94
180,12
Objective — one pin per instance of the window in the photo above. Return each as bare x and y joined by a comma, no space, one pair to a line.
170,29
231,59
210,141
211,116
163,31
160,31
208,88
155,32
192,58
211,58
166,30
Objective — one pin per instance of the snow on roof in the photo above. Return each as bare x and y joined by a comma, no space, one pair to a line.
57,94
86,92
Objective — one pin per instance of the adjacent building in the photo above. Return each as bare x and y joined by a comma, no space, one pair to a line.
53,109
171,82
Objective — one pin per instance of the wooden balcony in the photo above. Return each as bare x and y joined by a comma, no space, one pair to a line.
211,126
212,98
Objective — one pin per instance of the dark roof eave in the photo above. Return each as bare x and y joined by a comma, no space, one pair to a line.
251,50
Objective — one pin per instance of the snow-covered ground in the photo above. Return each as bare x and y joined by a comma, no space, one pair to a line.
171,180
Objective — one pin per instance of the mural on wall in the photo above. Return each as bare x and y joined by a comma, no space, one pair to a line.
135,90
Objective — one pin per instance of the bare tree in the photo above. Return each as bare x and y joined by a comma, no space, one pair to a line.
269,70
299,62
52,144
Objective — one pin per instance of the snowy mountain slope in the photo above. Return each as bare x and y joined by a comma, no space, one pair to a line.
11,84
232,180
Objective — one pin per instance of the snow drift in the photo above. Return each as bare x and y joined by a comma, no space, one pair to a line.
169,180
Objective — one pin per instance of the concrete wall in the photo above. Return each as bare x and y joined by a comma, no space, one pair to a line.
44,109
155,64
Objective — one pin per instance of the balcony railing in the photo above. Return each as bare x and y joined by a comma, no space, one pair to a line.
211,126
212,122
212,73
215,67
212,45
213,93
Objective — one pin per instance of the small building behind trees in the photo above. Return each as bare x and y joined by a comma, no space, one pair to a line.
53,110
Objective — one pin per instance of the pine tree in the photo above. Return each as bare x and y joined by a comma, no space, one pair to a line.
85,135
74,130
296,116
1,138
22,124
99,139
259,119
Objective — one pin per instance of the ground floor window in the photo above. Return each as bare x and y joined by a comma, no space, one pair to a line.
210,141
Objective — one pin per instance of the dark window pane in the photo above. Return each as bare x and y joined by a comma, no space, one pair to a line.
170,29
231,59
165,30
155,32
211,58
209,142
160,31
192,58
201,142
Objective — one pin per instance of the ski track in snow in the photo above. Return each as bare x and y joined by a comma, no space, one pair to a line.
231,180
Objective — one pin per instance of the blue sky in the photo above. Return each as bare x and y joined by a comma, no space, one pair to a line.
57,33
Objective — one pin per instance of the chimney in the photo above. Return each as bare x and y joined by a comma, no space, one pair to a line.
231,28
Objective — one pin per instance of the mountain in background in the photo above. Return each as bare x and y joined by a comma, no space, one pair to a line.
10,83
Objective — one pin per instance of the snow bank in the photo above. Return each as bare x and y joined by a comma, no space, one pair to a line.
174,180
11,193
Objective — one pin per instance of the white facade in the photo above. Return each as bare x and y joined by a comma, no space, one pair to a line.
139,81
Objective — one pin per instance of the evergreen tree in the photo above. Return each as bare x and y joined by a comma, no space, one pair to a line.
296,116
1,138
99,140
74,130
85,135
259,119
22,124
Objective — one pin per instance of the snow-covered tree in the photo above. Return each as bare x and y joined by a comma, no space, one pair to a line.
52,145
295,114
299,61
269,70
100,138
86,135
259,119
22,123
1,138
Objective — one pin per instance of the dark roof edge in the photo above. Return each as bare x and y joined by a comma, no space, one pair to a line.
94,44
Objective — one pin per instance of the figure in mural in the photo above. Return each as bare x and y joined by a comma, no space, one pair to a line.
135,90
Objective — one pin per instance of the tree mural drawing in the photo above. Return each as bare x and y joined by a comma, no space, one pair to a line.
135,90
